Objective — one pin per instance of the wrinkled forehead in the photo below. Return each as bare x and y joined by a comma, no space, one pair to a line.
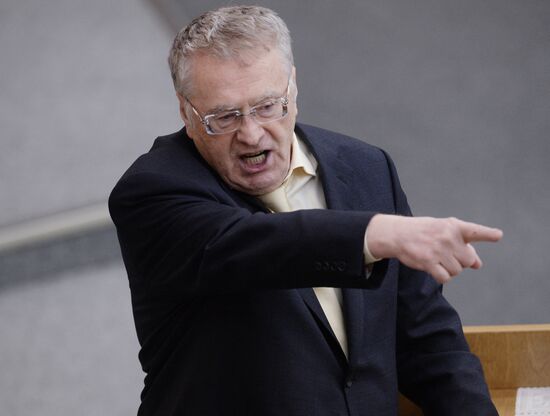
206,65
246,77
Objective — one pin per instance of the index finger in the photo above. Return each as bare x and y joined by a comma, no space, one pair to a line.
473,232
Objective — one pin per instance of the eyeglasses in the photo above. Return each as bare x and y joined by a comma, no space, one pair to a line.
223,122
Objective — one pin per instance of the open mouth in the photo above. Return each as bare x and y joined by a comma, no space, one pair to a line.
255,158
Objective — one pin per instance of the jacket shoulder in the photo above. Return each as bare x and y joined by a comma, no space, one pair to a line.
171,165
170,154
320,139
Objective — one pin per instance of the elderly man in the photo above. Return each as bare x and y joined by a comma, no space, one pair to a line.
274,266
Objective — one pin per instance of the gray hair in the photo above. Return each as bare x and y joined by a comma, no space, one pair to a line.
227,33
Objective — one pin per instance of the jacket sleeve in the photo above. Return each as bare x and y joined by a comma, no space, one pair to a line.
179,236
436,369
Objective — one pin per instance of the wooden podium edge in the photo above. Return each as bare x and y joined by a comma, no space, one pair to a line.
503,398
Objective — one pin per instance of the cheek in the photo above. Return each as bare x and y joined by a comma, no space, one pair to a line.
286,136
193,133
218,155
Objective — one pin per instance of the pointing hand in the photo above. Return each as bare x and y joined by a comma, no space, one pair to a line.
439,246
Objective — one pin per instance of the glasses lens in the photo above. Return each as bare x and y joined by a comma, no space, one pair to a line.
224,121
230,121
268,111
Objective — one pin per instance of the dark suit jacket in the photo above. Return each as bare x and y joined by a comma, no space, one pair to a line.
223,305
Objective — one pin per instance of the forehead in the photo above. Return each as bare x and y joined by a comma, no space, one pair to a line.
232,83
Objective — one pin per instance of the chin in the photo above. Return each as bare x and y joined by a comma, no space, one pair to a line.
257,187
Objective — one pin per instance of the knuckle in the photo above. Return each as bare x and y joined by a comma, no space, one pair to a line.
455,272
426,257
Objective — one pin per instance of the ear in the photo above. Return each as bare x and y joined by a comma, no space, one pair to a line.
183,115
294,81
295,91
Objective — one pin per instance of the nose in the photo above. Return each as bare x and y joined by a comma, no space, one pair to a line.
249,131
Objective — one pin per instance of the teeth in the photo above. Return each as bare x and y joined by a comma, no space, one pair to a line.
255,159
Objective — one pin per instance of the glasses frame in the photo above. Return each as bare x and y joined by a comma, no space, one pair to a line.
206,119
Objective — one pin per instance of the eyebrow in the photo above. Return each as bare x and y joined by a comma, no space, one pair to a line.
223,108
219,109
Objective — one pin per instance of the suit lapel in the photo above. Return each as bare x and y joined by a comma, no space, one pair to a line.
353,315
310,299
337,179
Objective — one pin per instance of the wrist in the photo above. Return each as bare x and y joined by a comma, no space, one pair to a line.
379,238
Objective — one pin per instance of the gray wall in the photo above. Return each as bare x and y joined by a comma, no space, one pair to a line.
83,90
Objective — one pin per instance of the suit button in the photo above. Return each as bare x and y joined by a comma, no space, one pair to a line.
349,383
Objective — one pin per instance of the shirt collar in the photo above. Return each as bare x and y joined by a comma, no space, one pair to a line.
301,158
